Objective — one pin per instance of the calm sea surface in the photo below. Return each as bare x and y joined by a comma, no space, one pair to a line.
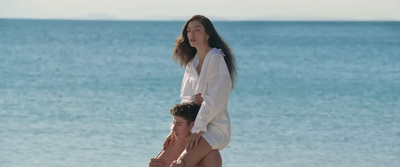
98,93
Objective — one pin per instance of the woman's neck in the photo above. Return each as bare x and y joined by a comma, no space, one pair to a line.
203,51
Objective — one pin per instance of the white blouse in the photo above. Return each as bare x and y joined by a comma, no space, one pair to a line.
214,83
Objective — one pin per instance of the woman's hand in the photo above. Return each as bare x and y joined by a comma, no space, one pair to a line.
198,99
193,140
169,140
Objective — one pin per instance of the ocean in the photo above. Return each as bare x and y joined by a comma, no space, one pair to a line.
98,93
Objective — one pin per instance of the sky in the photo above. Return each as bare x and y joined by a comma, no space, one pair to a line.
353,10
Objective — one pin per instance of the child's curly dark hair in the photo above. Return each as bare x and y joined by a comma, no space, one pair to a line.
188,111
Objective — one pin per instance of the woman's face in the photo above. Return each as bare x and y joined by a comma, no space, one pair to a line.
180,127
196,34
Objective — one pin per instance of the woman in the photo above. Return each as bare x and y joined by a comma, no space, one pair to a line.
210,72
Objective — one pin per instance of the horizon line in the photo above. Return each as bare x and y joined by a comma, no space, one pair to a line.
214,20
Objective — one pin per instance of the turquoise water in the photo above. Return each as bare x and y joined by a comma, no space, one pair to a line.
98,93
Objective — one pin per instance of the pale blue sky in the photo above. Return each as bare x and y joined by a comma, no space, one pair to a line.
364,10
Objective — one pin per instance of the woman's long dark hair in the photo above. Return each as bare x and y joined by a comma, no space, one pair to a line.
184,53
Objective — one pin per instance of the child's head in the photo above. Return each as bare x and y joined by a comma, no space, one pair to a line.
183,118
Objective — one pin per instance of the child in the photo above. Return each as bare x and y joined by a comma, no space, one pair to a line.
183,120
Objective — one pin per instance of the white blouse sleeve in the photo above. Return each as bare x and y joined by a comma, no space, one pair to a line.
216,95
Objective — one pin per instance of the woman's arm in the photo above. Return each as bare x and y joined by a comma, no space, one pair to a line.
215,99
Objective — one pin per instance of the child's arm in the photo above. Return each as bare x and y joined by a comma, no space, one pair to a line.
154,162
172,152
